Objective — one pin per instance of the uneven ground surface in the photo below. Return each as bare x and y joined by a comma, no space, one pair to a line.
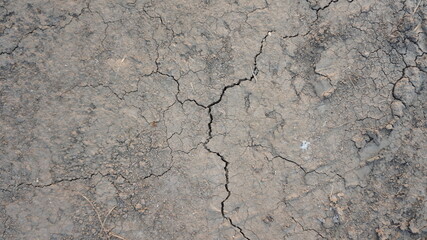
213,119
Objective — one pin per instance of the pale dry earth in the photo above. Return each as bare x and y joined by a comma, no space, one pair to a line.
213,119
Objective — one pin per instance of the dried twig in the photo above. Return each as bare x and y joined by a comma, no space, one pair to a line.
416,8
254,75
117,236
97,214
106,216
108,233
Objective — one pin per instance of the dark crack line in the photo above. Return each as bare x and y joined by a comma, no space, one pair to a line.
227,181
161,174
295,163
307,229
255,72
318,9
253,75
89,177
58,181
43,28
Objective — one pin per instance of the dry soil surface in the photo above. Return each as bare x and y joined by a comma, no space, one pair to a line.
213,119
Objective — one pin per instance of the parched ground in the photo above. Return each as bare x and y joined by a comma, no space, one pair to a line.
213,119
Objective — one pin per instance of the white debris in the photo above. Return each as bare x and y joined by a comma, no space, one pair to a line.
304,145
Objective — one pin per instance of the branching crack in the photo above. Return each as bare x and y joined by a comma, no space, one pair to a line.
307,229
227,181
255,72
86,178
159,175
319,8
293,162
44,28
58,181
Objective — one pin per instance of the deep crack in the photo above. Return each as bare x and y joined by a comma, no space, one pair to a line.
227,163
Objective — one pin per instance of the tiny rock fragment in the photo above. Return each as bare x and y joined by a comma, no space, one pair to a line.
403,225
380,232
397,108
412,227
404,91
120,179
373,159
328,93
340,211
359,141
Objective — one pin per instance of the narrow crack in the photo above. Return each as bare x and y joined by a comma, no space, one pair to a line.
295,163
307,229
58,181
161,174
43,28
318,8
211,118
86,178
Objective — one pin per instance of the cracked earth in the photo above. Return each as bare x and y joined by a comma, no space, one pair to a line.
213,119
